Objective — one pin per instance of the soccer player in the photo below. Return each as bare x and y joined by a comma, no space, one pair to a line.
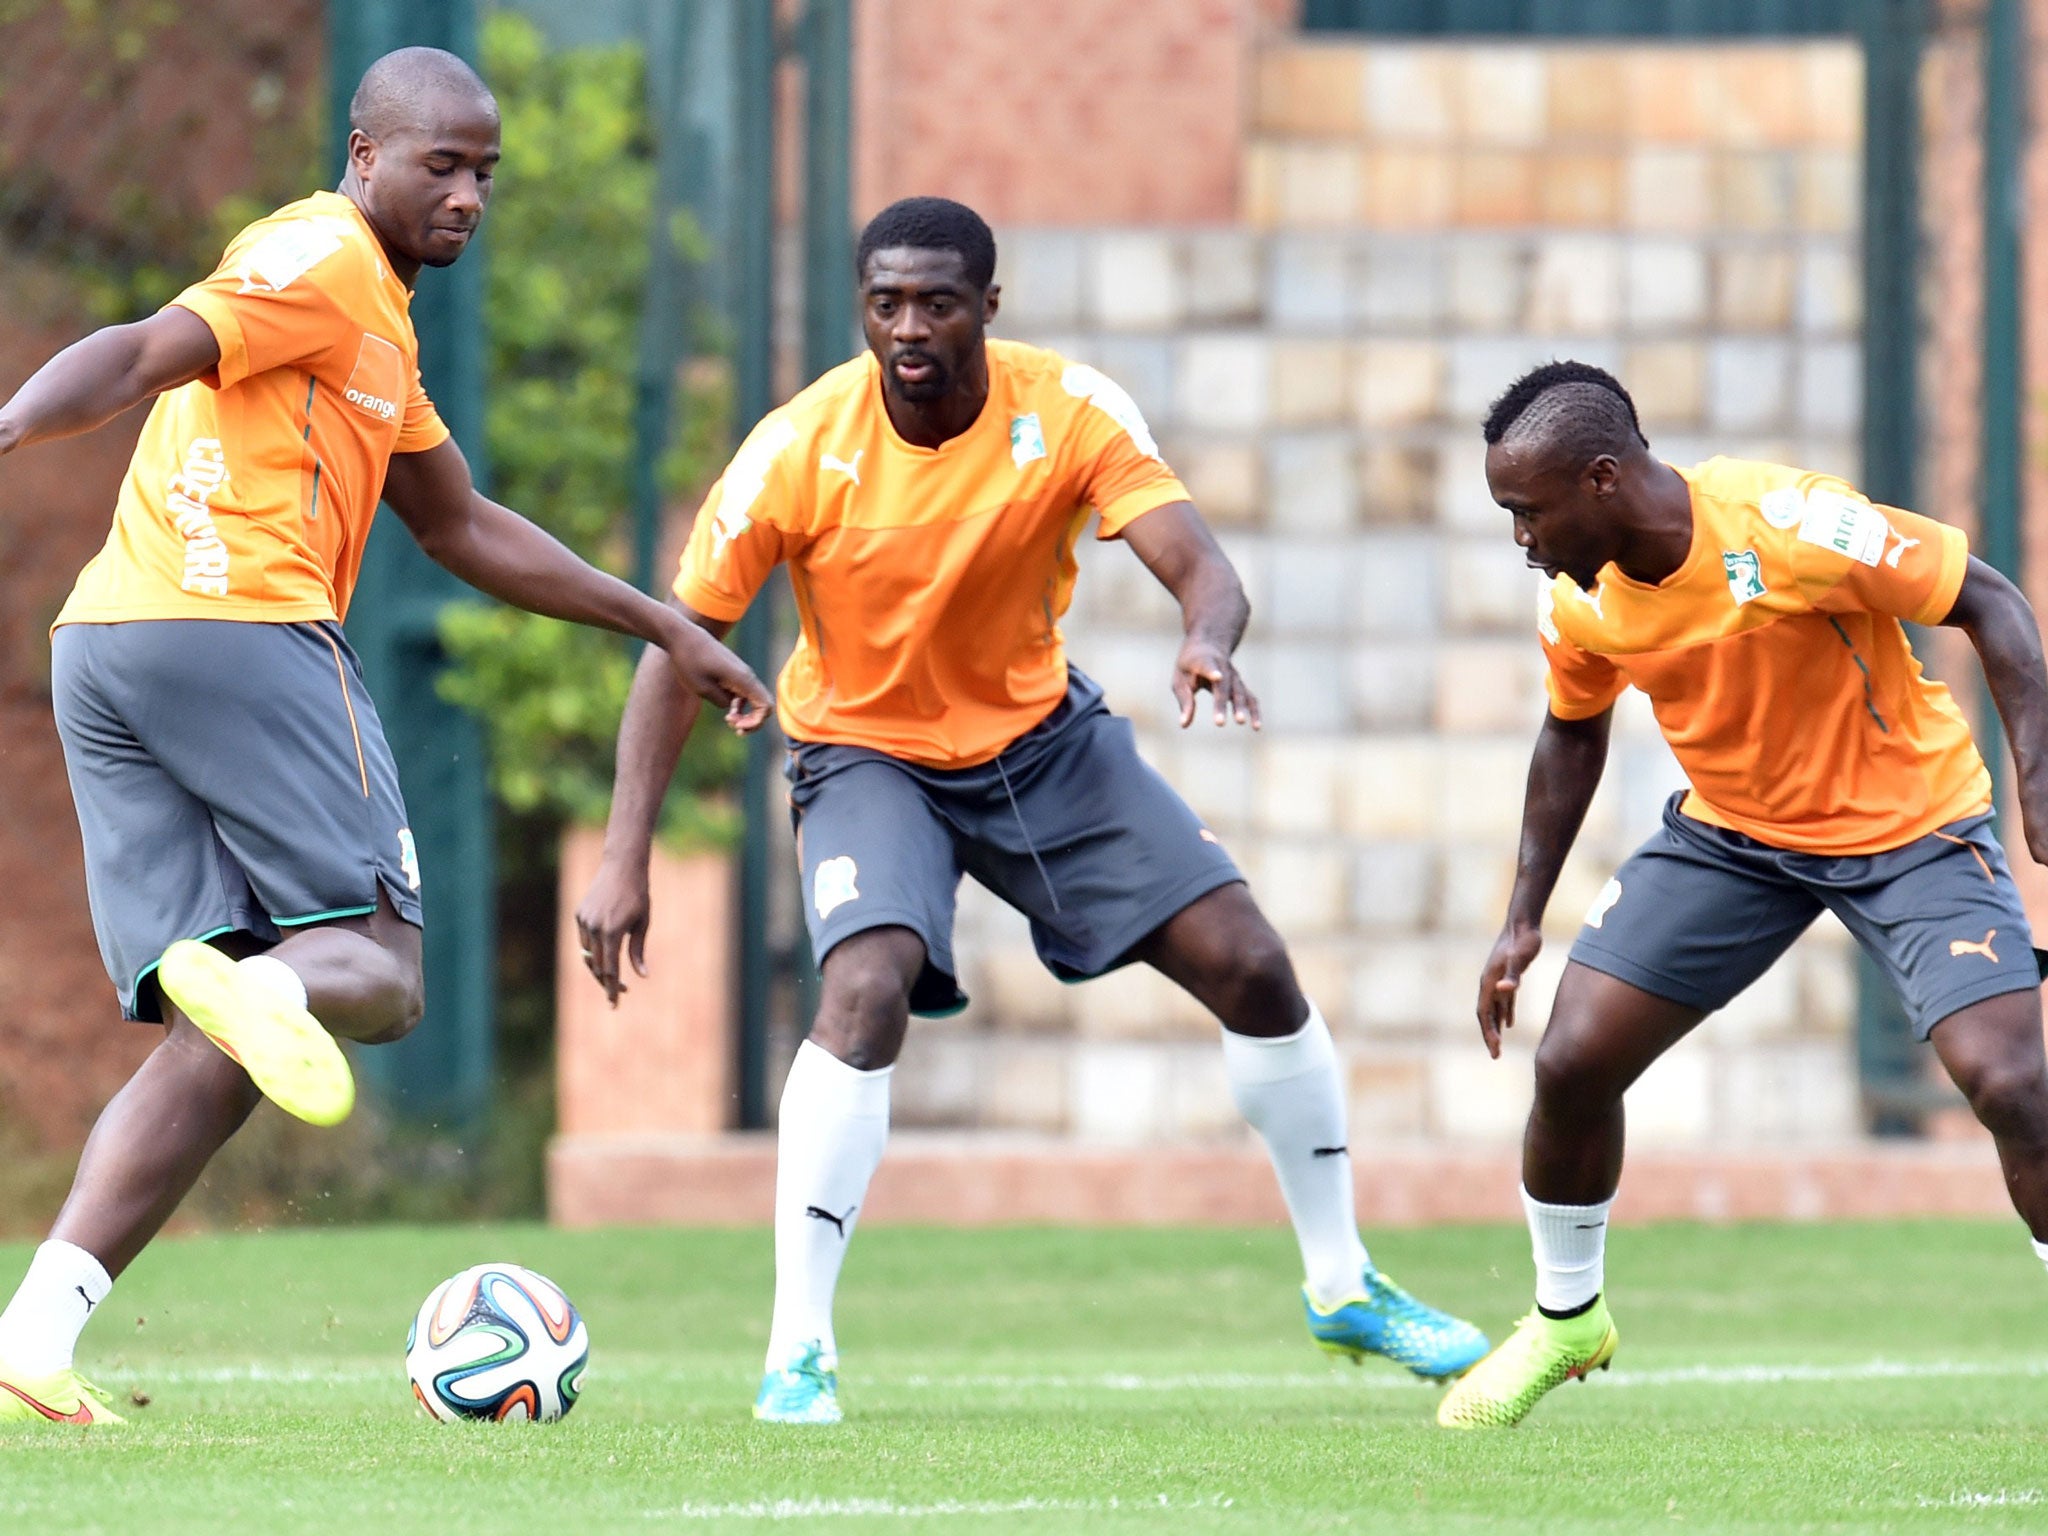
253,884
1759,607
926,498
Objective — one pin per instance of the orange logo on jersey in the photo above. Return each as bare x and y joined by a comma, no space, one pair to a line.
378,383
1961,947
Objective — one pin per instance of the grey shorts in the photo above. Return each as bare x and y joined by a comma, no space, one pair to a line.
1699,912
1068,825
229,777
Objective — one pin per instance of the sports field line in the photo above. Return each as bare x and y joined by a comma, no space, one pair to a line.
815,1509
357,1372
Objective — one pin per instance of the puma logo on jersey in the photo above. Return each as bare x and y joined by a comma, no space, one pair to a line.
1961,947
847,467
1892,557
727,525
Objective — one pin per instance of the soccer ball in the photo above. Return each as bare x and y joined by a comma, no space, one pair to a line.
497,1342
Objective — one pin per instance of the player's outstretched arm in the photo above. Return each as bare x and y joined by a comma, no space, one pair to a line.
1178,548
95,379
2000,622
658,719
1563,773
497,551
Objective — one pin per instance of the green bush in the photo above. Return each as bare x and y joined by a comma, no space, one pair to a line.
568,243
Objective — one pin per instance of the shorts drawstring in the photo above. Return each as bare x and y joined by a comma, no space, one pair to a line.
1029,847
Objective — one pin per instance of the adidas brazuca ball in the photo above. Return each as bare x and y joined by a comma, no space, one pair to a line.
497,1342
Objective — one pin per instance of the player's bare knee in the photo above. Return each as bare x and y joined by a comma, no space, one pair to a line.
2009,1095
405,1004
863,1013
1568,1077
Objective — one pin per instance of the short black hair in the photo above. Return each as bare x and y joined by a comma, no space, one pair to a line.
1581,409
931,224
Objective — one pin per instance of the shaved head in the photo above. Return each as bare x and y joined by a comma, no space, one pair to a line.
402,91
1570,409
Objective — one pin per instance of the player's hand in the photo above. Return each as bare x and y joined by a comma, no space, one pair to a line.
1205,667
712,672
614,915
1502,979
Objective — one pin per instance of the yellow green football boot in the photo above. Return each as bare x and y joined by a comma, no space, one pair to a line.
282,1047
1541,1353
64,1397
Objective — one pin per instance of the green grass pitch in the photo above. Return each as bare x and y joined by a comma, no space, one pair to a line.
1831,1378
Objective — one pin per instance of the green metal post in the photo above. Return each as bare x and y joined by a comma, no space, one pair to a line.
443,1071
752,244
828,185
2005,107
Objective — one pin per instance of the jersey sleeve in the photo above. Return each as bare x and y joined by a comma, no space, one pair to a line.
422,427
1580,683
272,301
740,534
1853,556
1122,475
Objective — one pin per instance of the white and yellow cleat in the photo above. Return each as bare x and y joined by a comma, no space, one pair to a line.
282,1047
64,1397
1542,1353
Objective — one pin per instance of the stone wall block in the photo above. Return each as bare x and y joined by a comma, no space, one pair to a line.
1198,1106
1585,107
1672,1104
1503,94
1664,95
1790,1093
1394,886
1830,197
1476,1100
1316,185
1488,587
1472,895
1220,381
1668,380
1311,488
1489,282
1483,366
1397,576
1395,986
1488,687
1042,279
1133,281
1410,92
1753,288
1397,483
1011,991
1028,1087
1832,94
1581,189
1831,387
1575,286
1298,783
1225,276
1830,296
1495,188
1664,284
1397,383
1117,1092
1479,789
1311,382
1217,772
1388,792
1668,190
1767,1009
1409,188
1309,90
1749,383
1303,890
1388,1093
1143,365
1308,282
1755,190
1463,504
1398,284
1392,684
1226,479
1301,685
1316,587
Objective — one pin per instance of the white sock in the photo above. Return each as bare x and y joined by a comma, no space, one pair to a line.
39,1330
1570,1242
277,978
829,1137
1288,1088
2041,1250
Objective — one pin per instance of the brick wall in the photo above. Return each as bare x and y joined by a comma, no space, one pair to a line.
1416,224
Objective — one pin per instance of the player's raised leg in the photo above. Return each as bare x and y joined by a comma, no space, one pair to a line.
832,1127
1993,1050
1284,1077
1602,1035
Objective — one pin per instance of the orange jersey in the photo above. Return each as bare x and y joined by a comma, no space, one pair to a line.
930,581
252,489
1775,664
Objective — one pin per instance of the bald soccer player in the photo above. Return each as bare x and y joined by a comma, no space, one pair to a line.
926,499
1760,609
253,882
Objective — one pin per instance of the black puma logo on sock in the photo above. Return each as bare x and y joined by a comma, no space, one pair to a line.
1332,1152
1589,1226
838,1222
89,1302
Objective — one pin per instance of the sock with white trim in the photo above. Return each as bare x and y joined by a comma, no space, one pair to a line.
830,1132
1570,1243
1290,1091
40,1328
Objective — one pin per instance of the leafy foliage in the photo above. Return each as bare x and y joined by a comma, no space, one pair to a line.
568,233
